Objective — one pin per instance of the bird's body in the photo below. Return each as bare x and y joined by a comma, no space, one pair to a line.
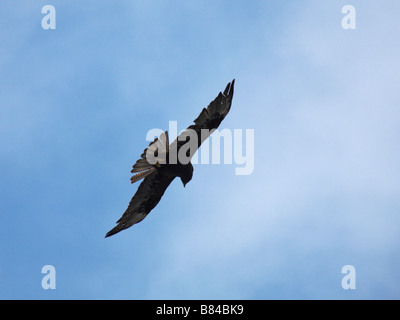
159,169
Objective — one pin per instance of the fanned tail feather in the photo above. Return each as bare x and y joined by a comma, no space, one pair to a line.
154,155
142,174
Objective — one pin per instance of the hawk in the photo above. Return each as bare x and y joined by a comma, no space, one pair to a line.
161,162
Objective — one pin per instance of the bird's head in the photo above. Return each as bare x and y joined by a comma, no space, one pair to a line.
187,174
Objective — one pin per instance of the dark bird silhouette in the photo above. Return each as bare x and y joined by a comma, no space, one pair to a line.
161,162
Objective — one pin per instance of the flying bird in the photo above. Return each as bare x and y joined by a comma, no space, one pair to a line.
161,162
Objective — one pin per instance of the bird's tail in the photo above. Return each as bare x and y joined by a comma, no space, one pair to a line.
142,174
152,157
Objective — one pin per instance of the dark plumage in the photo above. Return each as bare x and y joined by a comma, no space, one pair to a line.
159,171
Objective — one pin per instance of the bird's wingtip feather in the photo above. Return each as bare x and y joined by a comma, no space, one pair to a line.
114,231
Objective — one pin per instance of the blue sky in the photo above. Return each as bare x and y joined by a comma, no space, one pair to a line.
76,104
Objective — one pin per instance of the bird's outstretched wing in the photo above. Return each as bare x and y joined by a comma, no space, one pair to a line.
145,199
212,116
209,119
